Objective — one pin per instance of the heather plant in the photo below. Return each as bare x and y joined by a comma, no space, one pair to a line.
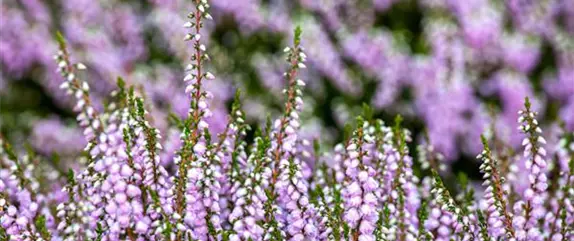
276,185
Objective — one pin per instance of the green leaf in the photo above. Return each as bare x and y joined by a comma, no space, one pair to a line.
41,227
316,146
463,180
60,39
367,112
527,103
71,177
297,36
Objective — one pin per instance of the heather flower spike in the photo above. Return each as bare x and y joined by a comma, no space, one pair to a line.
285,167
359,194
194,195
532,209
499,218
403,193
87,117
461,219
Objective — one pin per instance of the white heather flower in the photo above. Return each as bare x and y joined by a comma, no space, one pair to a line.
65,85
71,76
188,77
85,86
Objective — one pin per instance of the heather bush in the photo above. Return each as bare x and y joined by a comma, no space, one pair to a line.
271,182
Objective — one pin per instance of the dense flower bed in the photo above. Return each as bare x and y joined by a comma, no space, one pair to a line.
279,186
472,61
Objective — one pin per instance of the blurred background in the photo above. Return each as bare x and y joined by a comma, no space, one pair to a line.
454,69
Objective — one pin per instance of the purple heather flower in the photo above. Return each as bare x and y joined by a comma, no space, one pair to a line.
481,22
533,17
327,9
383,5
324,58
521,52
292,198
529,211
495,199
360,188
566,114
245,12
248,197
277,16
379,57
53,136
443,134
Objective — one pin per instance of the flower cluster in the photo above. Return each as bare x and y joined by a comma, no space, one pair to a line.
273,186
